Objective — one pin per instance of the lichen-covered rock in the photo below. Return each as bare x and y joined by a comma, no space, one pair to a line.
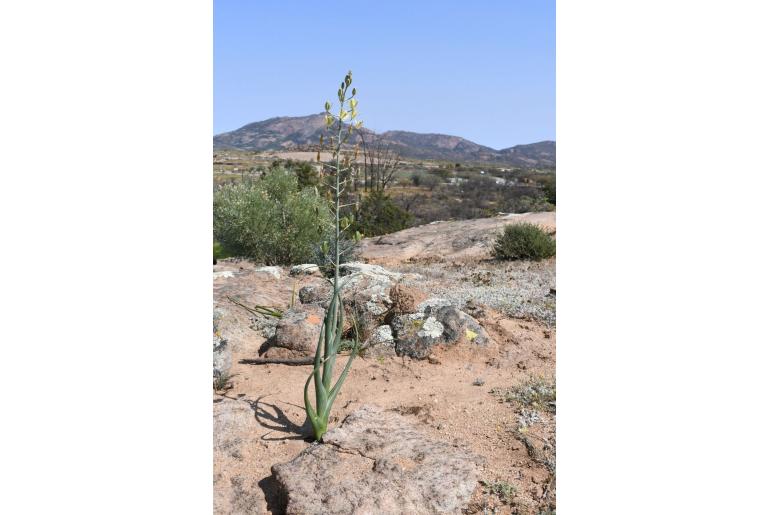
380,344
367,269
430,303
305,269
377,462
318,293
223,357
458,326
415,334
298,329
365,289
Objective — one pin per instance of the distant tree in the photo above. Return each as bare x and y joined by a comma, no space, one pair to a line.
549,188
380,161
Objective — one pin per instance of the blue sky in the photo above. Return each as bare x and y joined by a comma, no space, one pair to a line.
481,70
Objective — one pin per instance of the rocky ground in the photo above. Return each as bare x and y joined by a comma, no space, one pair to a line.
461,353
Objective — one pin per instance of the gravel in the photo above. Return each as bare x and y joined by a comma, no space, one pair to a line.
520,289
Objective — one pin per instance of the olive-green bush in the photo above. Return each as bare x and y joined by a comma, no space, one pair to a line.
270,220
378,215
524,241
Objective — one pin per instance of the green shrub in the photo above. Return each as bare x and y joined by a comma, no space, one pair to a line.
378,215
269,220
524,241
220,252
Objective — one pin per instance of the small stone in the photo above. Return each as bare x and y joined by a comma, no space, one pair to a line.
299,328
275,271
478,382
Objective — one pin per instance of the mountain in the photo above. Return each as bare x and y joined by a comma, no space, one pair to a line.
542,153
303,132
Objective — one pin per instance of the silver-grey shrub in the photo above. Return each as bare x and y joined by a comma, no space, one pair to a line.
269,220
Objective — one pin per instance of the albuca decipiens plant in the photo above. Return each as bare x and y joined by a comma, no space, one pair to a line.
339,127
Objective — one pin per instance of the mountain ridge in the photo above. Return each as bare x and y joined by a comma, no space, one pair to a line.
298,132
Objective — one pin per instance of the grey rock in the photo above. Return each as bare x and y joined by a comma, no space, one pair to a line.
223,357
377,462
381,343
367,269
305,269
367,291
319,293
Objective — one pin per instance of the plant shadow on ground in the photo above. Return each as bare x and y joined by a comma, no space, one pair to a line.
278,421
276,503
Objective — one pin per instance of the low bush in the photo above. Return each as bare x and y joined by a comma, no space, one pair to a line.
270,220
524,241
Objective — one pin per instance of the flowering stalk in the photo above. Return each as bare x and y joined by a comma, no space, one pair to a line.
340,126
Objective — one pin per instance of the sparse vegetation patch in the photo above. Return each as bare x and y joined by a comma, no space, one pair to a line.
502,489
537,393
